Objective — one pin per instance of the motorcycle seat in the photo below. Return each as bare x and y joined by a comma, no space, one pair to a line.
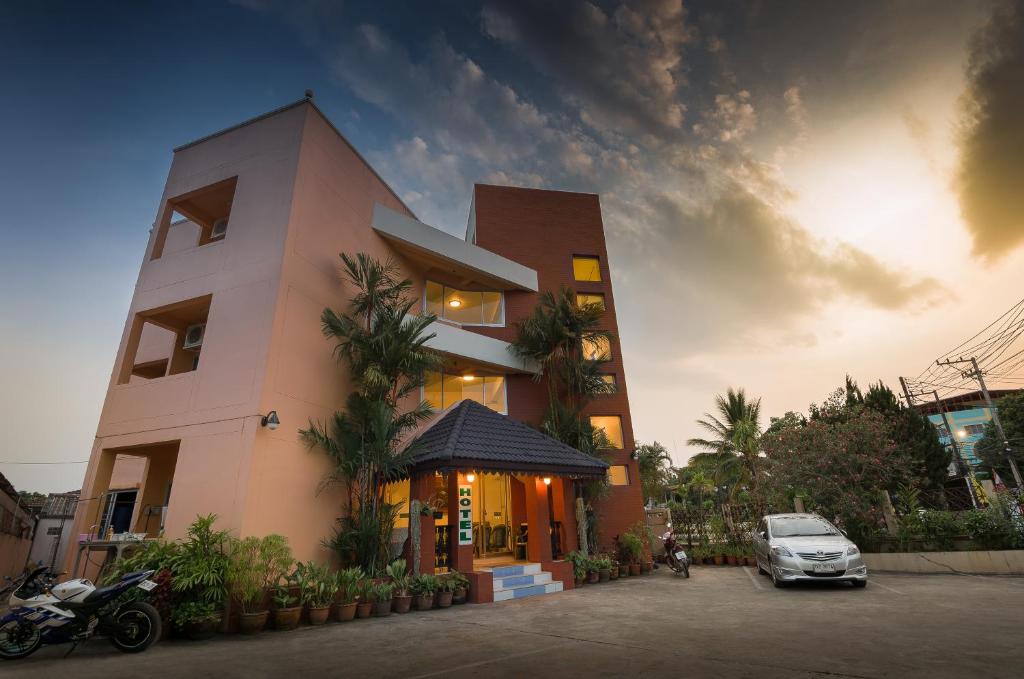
101,593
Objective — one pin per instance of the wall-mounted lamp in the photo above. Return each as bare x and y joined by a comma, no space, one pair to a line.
471,477
455,302
547,480
271,421
468,378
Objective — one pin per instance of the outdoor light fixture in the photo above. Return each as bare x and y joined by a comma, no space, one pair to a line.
455,302
962,434
468,378
471,477
271,420
547,480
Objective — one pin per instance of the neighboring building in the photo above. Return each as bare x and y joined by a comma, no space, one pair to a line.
967,414
54,527
224,328
16,524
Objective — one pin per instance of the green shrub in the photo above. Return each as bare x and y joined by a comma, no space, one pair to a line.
940,528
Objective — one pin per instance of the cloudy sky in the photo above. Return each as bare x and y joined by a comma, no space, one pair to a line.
793,191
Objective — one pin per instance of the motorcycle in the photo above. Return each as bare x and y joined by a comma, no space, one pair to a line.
42,612
675,556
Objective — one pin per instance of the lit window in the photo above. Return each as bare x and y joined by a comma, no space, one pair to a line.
465,307
443,390
618,475
597,349
613,384
582,299
612,426
586,268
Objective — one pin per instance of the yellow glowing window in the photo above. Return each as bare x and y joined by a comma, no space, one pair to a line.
612,383
443,390
582,299
467,307
586,268
597,349
612,426
618,475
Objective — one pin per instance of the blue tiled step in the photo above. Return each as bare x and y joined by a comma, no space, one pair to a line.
522,580
523,591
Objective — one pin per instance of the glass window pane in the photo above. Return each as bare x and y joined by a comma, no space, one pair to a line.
432,389
590,298
494,394
452,390
612,426
612,383
586,268
491,308
461,306
618,475
597,349
435,299
473,388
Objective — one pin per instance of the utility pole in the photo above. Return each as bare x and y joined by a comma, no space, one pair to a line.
976,373
961,465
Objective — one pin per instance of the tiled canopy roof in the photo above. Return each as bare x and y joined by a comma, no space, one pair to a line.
472,436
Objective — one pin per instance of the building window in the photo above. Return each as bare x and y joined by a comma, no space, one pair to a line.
612,427
466,307
586,268
974,429
618,475
443,390
611,382
166,341
597,349
590,298
196,218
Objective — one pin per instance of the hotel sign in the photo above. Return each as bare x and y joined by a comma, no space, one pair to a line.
465,514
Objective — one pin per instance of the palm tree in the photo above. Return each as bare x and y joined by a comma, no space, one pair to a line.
734,448
652,460
384,348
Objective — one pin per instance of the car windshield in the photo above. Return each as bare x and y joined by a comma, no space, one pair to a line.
801,526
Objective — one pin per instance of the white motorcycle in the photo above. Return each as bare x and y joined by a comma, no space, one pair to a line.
42,612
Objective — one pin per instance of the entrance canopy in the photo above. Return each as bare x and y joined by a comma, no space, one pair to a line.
474,437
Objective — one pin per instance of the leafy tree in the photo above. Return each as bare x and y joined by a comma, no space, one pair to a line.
787,421
733,449
839,463
653,461
383,346
991,449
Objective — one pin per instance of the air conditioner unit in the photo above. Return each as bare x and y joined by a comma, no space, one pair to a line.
220,227
194,336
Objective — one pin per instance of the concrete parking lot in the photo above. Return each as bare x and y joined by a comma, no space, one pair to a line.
722,622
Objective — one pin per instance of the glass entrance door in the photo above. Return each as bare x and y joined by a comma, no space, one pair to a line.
492,535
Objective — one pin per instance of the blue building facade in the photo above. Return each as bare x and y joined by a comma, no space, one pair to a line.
968,426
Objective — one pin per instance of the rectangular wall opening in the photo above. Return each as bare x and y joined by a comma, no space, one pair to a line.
208,208
166,341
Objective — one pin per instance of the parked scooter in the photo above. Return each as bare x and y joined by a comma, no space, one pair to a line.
46,613
675,556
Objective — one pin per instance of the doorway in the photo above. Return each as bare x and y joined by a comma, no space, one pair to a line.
492,530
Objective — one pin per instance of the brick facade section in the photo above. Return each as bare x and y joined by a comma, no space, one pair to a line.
543,230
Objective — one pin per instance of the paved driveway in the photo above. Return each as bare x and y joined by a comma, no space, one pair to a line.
723,622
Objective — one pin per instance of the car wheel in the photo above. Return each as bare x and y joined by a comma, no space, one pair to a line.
775,581
860,584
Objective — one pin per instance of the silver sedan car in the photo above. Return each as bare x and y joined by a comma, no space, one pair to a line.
806,547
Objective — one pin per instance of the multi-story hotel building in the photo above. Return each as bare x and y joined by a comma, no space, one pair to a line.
224,330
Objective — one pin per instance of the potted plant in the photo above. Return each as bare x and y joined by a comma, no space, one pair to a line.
318,587
256,564
200,567
718,556
196,620
445,592
461,587
365,600
423,587
730,555
579,566
604,568
401,597
348,592
633,547
382,593
286,613
592,571
613,573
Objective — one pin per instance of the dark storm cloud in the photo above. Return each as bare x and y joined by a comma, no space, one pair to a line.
990,180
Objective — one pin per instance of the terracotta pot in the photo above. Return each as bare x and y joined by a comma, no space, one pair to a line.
730,559
634,569
444,599
401,604
424,602
605,574
364,609
593,576
287,618
750,561
646,567
198,631
718,559
461,594
318,616
344,612
382,609
580,581
252,623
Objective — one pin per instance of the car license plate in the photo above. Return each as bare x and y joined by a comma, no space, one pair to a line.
147,585
680,555
824,568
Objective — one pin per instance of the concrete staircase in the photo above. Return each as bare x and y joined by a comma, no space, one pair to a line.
517,582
